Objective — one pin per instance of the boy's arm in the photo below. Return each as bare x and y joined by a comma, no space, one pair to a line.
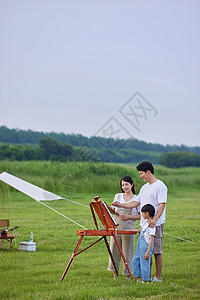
146,256
153,222
138,230
130,204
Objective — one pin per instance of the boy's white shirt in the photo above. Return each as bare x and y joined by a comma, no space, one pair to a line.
154,194
148,232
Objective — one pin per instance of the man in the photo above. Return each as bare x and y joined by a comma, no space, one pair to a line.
153,192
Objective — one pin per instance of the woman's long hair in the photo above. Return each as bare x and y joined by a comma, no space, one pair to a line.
127,179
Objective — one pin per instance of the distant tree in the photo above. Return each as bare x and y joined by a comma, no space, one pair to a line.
33,153
20,153
179,159
11,152
52,148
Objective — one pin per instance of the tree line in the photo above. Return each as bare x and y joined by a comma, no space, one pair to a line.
16,145
50,149
18,136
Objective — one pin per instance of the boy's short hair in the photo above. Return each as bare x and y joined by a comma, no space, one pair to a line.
148,208
145,166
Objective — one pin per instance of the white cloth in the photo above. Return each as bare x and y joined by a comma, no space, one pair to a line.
27,188
148,232
154,194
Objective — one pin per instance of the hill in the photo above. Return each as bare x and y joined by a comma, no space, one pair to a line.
17,144
18,136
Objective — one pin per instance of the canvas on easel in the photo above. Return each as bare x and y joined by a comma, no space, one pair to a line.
103,213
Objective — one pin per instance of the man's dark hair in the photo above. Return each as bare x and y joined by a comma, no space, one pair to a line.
145,166
149,208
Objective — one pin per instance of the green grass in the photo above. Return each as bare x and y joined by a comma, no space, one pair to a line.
36,275
74,178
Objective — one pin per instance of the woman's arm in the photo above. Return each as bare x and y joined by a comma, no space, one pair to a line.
133,217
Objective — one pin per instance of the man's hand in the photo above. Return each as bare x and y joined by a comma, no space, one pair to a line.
160,210
116,203
152,223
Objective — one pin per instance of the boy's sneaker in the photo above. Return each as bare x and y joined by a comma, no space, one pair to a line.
155,279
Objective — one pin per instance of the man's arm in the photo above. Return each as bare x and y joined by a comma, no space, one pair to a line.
130,204
160,210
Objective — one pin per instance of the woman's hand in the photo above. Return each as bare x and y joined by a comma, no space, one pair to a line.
124,217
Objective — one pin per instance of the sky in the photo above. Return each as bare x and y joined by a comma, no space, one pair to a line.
119,69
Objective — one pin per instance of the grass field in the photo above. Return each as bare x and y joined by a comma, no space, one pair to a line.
36,275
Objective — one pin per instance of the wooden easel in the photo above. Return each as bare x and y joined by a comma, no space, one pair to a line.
110,229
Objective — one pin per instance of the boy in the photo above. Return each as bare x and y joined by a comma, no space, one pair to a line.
153,192
142,258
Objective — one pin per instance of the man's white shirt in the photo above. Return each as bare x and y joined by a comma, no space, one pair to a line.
153,194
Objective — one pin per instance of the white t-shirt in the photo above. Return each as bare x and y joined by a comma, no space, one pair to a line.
148,232
153,194
120,198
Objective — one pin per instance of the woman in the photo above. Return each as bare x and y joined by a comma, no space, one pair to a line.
126,218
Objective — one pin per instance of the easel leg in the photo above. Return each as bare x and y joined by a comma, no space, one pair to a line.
72,257
122,254
111,256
